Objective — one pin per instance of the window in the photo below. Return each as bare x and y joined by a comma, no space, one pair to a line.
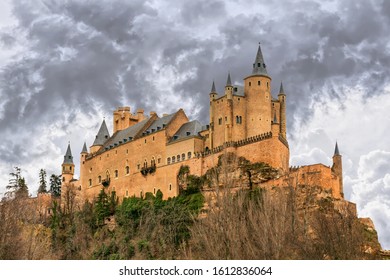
170,187
189,155
220,121
153,138
127,152
100,179
250,83
116,173
183,157
107,175
153,162
238,119
63,179
159,160
145,164
225,119
127,170
127,193
154,190
173,159
70,168
138,166
169,160
90,182
178,158
145,141
258,83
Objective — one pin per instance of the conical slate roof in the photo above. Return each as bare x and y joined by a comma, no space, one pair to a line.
229,81
84,150
102,135
259,67
336,150
213,88
281,90
68,158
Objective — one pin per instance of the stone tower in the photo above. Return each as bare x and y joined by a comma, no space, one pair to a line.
282,117
213,96
258,92
337,168
67,167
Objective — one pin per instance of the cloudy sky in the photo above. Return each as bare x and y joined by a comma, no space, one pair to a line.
66,64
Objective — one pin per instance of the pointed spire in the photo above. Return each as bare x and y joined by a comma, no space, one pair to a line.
102,135
213,88
229,81
84,150
259,67
281,90
336,150
275,119
68,158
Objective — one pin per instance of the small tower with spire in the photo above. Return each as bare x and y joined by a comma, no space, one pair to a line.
337,168
282,101
102,136
67,167
229,88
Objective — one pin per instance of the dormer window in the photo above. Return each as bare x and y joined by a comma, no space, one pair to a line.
153,130
188,133
130,138
164,125
175,137
159,127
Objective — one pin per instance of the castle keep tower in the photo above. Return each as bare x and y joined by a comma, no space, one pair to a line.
257,89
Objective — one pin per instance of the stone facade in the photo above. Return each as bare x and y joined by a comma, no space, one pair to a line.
144,153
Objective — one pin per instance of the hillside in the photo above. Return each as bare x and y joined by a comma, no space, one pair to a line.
229,213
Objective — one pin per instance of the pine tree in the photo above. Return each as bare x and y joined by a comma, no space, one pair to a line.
55,185
17,185
42,181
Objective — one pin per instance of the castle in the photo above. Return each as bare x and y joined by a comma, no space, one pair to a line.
144,153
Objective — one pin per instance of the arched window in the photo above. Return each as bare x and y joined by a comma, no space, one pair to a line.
145,164
127,170
169,160
258,83
173,159
178,158
153,162
189,155
116,173
90,182
183,157
107,175
170,187
100,179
